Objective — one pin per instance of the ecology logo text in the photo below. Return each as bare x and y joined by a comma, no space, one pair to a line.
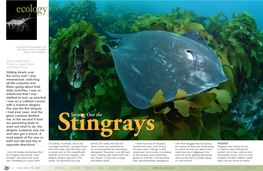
38,10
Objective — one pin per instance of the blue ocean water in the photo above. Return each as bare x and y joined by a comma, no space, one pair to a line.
202,8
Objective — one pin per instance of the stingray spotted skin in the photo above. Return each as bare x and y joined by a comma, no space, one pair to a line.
152,60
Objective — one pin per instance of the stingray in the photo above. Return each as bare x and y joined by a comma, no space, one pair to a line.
152,60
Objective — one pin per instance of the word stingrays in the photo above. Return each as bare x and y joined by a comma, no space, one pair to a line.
106,129
149,61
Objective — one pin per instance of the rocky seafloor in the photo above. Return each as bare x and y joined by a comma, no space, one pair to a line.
249,110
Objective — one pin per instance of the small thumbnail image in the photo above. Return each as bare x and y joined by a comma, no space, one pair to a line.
21,20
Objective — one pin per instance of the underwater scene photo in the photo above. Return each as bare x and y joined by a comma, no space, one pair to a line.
155,70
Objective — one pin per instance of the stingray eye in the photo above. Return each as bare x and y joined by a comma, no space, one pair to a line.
190,54
199,57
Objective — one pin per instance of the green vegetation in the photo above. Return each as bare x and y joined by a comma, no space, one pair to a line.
121,23
59,17
241,43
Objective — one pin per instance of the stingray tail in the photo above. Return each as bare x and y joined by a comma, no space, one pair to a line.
113,35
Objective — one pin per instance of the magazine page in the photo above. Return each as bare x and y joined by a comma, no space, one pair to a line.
132,85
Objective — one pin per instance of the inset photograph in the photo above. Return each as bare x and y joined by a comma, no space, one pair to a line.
21,20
